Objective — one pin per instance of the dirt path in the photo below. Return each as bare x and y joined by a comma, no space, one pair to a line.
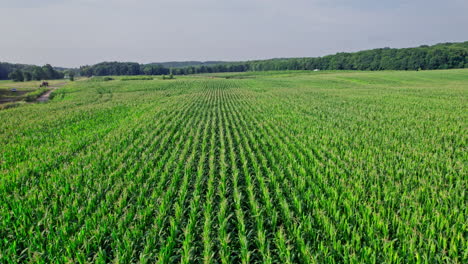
45,97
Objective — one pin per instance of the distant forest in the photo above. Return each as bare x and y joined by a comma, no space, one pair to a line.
181,64
22,72
440,56
133,68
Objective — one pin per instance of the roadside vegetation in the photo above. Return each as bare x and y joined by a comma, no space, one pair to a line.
32,96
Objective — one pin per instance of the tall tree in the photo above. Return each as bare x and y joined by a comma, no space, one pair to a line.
16,75
38,74
49,72
27,76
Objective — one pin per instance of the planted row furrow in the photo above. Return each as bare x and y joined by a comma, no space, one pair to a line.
238,168
223,215
154,188
189,246
114,187
154,238
332,221
242,254
56,207
209,165
167,253
286,214
327,222
292,194
126,219
256,212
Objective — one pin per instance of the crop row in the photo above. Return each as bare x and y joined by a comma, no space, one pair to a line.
264,170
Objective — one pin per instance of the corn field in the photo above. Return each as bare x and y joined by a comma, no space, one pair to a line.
273,167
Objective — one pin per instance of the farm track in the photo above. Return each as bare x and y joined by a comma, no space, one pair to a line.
42,98
46,96
220,173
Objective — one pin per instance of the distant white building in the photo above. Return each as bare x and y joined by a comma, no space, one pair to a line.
316,70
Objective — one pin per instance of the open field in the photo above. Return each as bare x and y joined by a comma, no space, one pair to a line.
23,90
271,167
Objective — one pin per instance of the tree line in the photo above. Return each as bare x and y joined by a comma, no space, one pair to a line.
440,56
181,64
21,72
122,68
7,68
133,68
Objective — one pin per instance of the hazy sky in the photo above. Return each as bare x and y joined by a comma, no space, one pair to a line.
77,32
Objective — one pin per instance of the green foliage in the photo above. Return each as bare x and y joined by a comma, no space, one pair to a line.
101,79
440,56
38,74
170,77
16,75
152,69
111,68
27,76
270,167
28,72
141,78
32,96
46,72
70,74
7,68
182,64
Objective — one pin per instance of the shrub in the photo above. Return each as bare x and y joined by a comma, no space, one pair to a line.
32,96
140,78
101,79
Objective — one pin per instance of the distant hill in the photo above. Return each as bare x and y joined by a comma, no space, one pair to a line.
182,64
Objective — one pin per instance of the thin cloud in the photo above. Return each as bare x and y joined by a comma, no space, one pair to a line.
73,33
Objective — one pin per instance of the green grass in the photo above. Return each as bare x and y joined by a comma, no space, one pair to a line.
25,91
275,167
137,78
8,84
